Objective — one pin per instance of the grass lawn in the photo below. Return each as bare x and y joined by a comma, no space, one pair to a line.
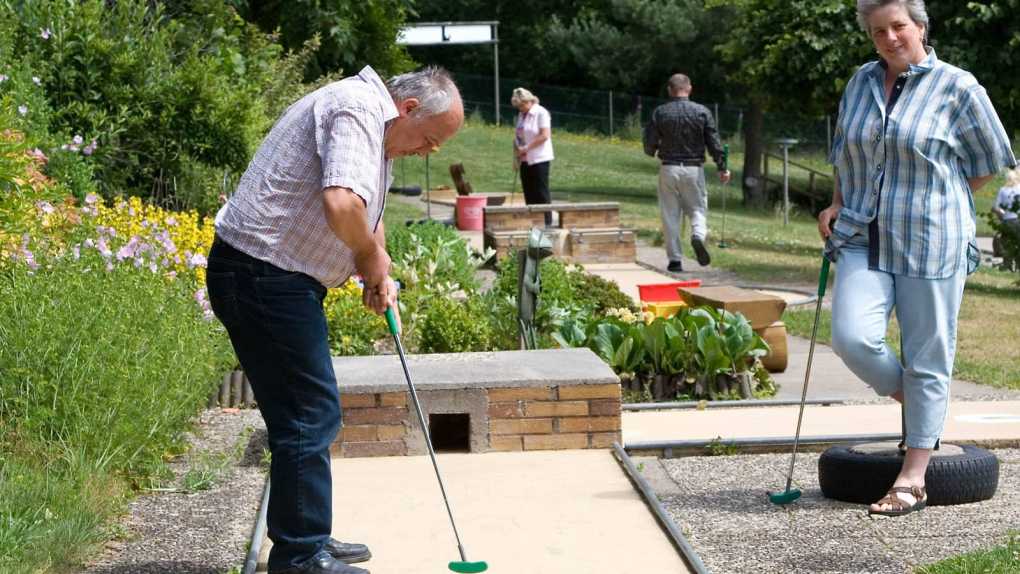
762,250
1003,559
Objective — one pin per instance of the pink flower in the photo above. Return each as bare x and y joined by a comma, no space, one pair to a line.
38,154
89,149
45,207
91,198
3,78
197,260
23,110
45,33
76,252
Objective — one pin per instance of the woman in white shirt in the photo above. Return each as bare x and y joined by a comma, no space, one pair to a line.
1003,208
533,150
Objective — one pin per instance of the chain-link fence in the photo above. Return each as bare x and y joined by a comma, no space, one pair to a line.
624,115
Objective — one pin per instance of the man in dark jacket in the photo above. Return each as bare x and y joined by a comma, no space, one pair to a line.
678,134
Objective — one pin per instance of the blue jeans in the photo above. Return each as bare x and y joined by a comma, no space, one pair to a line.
278,329
926,309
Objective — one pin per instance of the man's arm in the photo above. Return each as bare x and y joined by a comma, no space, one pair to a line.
346,215
651,137
712,142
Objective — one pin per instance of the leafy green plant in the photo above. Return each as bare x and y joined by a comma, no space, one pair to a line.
452,326
101,371
716,447
590,290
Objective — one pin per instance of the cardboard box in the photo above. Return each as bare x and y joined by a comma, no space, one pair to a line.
760,308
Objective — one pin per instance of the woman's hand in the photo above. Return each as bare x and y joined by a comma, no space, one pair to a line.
826,219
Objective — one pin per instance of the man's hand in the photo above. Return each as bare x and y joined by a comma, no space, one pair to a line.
373,265
724,176
379,298
826,218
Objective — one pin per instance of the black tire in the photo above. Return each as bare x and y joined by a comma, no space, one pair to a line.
851,476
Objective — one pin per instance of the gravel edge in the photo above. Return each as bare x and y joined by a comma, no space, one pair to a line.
202,532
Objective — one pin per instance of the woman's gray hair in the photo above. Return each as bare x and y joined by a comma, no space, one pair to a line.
915,8
431,86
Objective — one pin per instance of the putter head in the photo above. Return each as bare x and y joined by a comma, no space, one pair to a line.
468,567
784,497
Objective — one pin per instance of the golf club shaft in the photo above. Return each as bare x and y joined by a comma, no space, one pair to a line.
428,439
822,280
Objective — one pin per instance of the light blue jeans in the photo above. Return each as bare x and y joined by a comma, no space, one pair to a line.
926,309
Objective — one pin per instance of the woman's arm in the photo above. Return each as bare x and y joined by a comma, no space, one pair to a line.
828,215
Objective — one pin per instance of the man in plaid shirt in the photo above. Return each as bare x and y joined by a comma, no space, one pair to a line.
307,215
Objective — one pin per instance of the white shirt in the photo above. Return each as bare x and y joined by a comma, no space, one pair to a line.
332,137
529,125
1004,201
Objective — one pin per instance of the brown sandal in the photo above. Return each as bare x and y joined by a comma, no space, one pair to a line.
900,507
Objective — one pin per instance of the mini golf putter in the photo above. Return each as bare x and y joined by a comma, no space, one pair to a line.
791,494
463,566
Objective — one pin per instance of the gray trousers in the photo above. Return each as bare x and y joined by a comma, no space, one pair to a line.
682,192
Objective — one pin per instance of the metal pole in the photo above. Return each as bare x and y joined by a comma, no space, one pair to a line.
786,184
495,46
717,117
828,132
610,113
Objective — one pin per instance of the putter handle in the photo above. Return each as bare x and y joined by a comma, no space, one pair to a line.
391,320
823,277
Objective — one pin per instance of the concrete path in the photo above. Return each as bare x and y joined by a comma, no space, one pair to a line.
967,420
533,512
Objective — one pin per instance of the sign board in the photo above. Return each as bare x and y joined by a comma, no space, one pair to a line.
430,34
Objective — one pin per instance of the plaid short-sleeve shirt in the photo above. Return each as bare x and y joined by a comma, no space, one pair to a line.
904,171
333,137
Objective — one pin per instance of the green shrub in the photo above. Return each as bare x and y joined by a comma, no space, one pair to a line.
597,293
452,326
432,254
100,374
353,328
156,93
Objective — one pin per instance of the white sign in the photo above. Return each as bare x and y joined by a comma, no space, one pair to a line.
431,34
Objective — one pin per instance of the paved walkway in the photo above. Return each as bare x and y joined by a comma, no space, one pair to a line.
536,513
575,511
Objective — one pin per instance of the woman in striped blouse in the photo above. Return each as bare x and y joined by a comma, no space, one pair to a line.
915,138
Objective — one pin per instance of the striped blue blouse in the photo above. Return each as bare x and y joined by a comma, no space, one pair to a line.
907,169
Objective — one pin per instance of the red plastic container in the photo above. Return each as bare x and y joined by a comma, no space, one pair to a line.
664,291
470,212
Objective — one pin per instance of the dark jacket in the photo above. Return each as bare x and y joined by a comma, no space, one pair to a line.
679,132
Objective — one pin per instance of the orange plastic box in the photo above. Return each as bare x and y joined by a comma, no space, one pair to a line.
665,291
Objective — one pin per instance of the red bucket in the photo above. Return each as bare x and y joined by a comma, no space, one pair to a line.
470,212
665,291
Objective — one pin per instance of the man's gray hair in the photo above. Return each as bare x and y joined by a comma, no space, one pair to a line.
432,86
678,83
915,9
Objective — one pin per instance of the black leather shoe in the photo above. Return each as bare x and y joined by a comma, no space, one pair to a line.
349,553
322,563
699,249
675,267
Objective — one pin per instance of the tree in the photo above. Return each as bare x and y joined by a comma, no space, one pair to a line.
353,33
984,38
789,54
